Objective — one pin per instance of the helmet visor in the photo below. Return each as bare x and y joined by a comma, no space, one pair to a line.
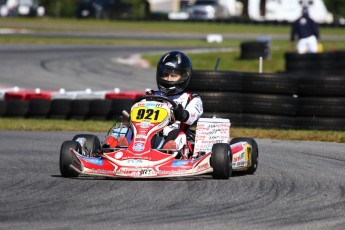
171,75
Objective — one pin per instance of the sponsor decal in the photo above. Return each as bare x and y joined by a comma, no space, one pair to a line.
177,163
135,161
140,139
102,171
145,124
150,104
138,147
95,161
118,155
177,172
203,167
242,163
135,172
137,157
237,158
147,171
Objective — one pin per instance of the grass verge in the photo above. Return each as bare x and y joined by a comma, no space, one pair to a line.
23,124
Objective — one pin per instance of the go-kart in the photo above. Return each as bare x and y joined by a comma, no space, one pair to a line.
208,150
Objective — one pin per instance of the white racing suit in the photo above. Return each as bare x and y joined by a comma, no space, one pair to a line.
193,104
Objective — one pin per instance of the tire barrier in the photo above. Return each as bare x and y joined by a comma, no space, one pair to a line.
2,108
327,85
227,102
270,104
206,80
321,107
99,109
254,50
282,100
269,83
79,109
268,121
16,108
59,108
317,63
118,105
38,108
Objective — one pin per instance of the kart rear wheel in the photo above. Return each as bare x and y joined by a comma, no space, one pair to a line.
92,144
221,161
254,153
66,158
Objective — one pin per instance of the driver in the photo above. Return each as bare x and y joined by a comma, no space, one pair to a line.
174,71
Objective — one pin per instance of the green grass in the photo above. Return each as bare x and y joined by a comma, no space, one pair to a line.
96,26
103,127
229,60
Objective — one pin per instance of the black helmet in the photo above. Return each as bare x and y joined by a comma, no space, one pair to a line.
174,62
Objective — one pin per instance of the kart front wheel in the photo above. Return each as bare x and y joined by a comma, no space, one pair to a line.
221,161
66,158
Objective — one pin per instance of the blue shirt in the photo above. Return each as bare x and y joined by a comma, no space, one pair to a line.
304,27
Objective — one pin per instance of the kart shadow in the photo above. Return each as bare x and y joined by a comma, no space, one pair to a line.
184,178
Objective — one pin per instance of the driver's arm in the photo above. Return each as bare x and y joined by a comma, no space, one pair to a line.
194,109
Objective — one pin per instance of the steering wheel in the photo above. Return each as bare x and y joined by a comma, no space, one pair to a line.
158,98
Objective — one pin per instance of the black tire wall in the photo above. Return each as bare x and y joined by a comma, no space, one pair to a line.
266,100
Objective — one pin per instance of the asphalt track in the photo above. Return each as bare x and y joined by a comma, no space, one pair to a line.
298,185
73,67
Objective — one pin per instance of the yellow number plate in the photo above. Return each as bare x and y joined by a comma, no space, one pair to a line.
153,115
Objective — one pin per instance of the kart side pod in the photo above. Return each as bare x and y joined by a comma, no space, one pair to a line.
210,131
213,135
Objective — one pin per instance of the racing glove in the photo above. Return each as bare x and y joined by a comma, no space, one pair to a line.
180,113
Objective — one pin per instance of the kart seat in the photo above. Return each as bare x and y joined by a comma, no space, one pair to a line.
157,142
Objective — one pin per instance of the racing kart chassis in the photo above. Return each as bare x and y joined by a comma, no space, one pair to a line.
210,151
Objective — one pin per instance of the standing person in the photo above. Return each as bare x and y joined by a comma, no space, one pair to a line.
174,71
307,31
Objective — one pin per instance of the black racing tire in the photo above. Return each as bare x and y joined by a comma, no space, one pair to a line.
38,108
99,109
59,108
79,109
118,105
67,158
253,50
221,101
270,104
16,108
208,80
295,62
340,57
270,83
311,62
221,161
254,154
2,107
92,143
321,107
268,121
315,85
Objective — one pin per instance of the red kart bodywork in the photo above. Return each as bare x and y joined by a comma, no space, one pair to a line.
140,159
